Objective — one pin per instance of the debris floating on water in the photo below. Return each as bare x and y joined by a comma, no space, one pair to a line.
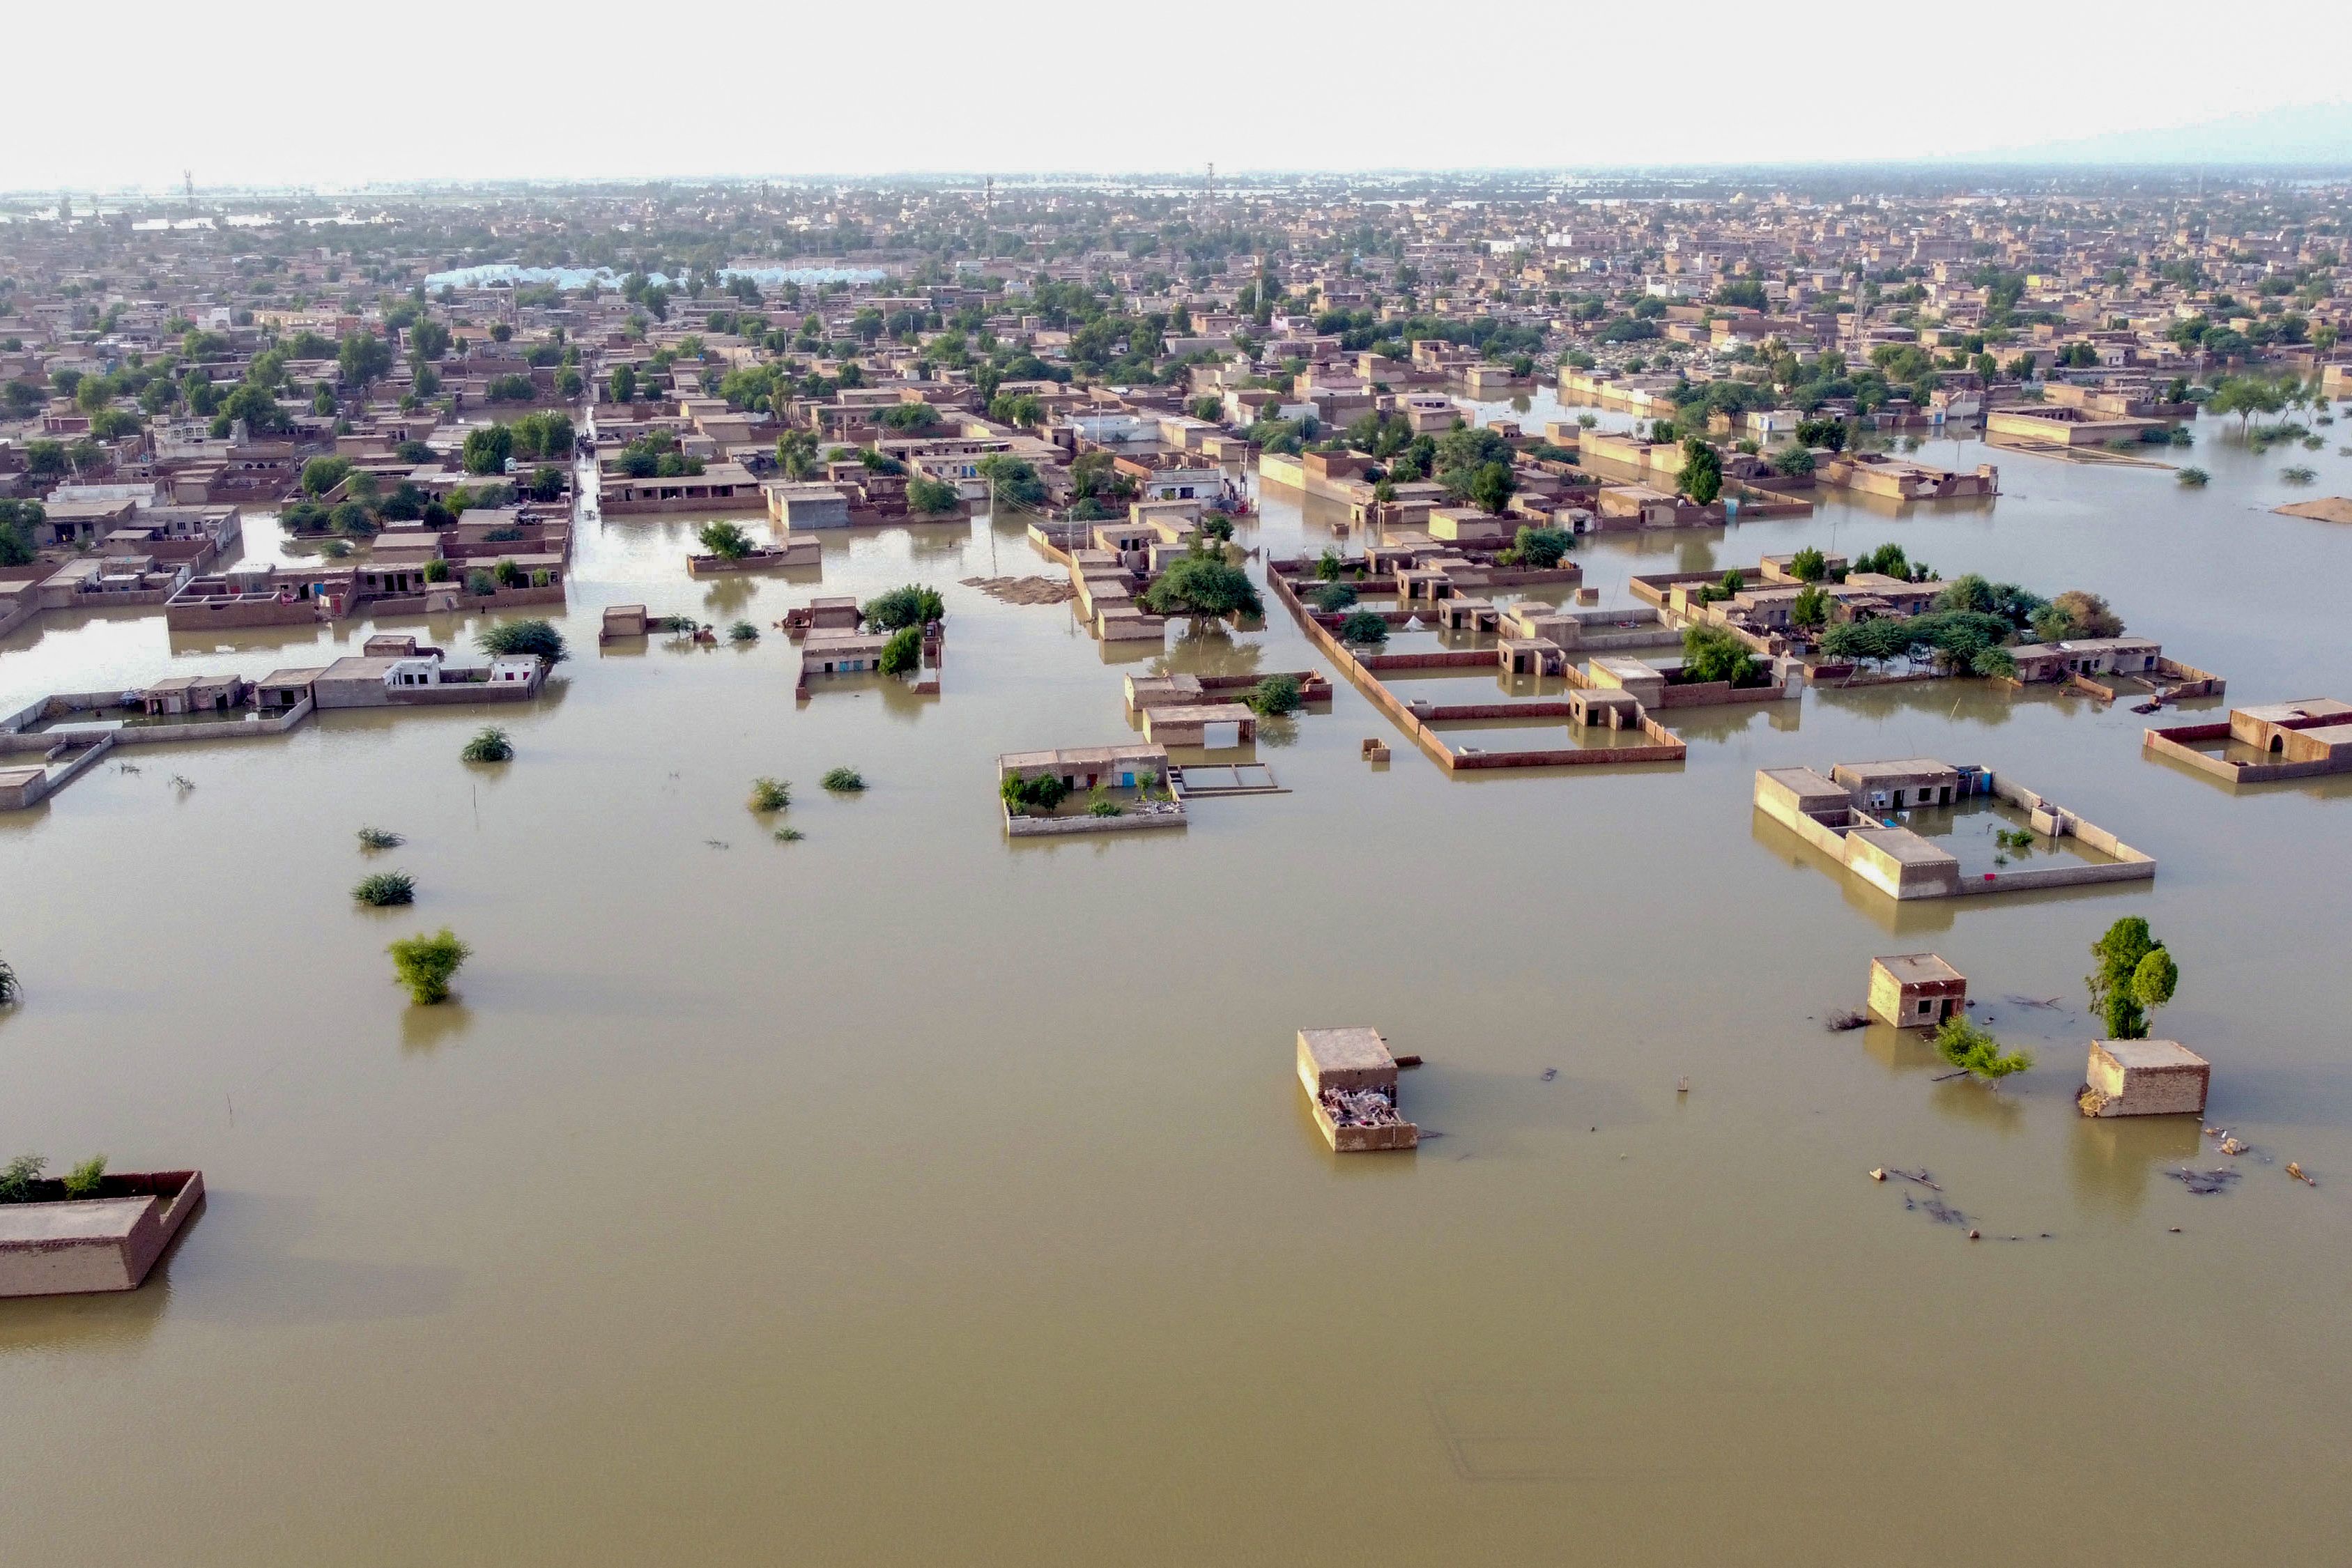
1841,1021
1682,1084
1549,1074
2297,1173
1025,590
2203,1182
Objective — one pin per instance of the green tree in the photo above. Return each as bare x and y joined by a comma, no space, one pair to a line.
1202,584
254,405
1364,627
2135,975
321,475
363,358
1712,654
488,447
1491,485
1012,482
1811,608
928,496
911,606
428,340
622,383
514,637
18,519
904,652
1701,478
727,540
1540,549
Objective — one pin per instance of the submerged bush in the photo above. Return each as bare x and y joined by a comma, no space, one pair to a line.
789,835
742,631
1273,696
2195,478
9,988
385,888
844,781
380,838
490,746
1333,597
1364,627
424,963
1974,1051
771,794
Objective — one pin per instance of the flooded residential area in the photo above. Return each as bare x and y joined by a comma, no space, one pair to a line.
886,1165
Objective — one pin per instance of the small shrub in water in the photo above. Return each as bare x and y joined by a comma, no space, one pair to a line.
2195,478
844,781
85,1179
380,838
385,888
771,794
789,835
742,631
490,746
424,963
1974,1051
9,987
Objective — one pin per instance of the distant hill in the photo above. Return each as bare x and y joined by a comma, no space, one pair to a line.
2301,133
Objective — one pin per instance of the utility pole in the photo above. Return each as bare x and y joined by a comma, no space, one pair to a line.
188,182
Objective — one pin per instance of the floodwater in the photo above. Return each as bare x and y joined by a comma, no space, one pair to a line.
908,1194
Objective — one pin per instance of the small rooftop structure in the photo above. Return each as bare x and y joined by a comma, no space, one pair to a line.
2144,1078
1352,1085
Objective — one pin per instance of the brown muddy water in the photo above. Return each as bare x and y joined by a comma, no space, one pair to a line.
907,1194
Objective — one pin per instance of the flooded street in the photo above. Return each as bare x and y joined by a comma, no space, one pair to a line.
909,1194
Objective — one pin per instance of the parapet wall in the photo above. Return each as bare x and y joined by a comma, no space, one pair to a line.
1665,747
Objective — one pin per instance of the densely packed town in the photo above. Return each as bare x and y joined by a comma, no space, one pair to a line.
208,353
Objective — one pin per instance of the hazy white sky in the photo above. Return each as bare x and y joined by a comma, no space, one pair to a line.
265,91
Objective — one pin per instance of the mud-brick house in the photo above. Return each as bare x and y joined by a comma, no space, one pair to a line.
1916,990
183,694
